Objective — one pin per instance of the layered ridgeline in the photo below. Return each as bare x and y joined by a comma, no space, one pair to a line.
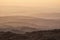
22,24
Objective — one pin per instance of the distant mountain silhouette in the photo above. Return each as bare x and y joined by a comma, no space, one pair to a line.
35,35
24,24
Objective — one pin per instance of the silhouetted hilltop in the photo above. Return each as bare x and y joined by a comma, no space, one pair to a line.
35,35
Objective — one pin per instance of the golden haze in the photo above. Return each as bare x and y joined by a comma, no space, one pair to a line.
34,8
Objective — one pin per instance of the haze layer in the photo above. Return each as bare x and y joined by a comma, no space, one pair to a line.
33,8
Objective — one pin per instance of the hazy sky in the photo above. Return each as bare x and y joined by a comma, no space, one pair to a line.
35,8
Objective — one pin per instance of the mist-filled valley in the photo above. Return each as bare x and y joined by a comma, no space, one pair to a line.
28,24
29,28
29,19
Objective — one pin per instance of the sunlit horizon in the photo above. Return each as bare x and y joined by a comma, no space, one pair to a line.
33,8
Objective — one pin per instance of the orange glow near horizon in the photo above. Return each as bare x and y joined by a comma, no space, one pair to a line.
35,8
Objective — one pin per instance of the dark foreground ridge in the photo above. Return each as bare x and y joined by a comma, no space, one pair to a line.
35,35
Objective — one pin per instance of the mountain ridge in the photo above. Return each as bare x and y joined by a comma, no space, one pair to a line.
30,23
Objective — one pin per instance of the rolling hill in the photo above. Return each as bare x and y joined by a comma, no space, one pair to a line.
27,24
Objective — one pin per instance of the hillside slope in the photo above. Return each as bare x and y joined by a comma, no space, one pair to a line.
35,35
24,23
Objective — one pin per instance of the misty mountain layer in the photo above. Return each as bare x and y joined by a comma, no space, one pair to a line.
27,24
